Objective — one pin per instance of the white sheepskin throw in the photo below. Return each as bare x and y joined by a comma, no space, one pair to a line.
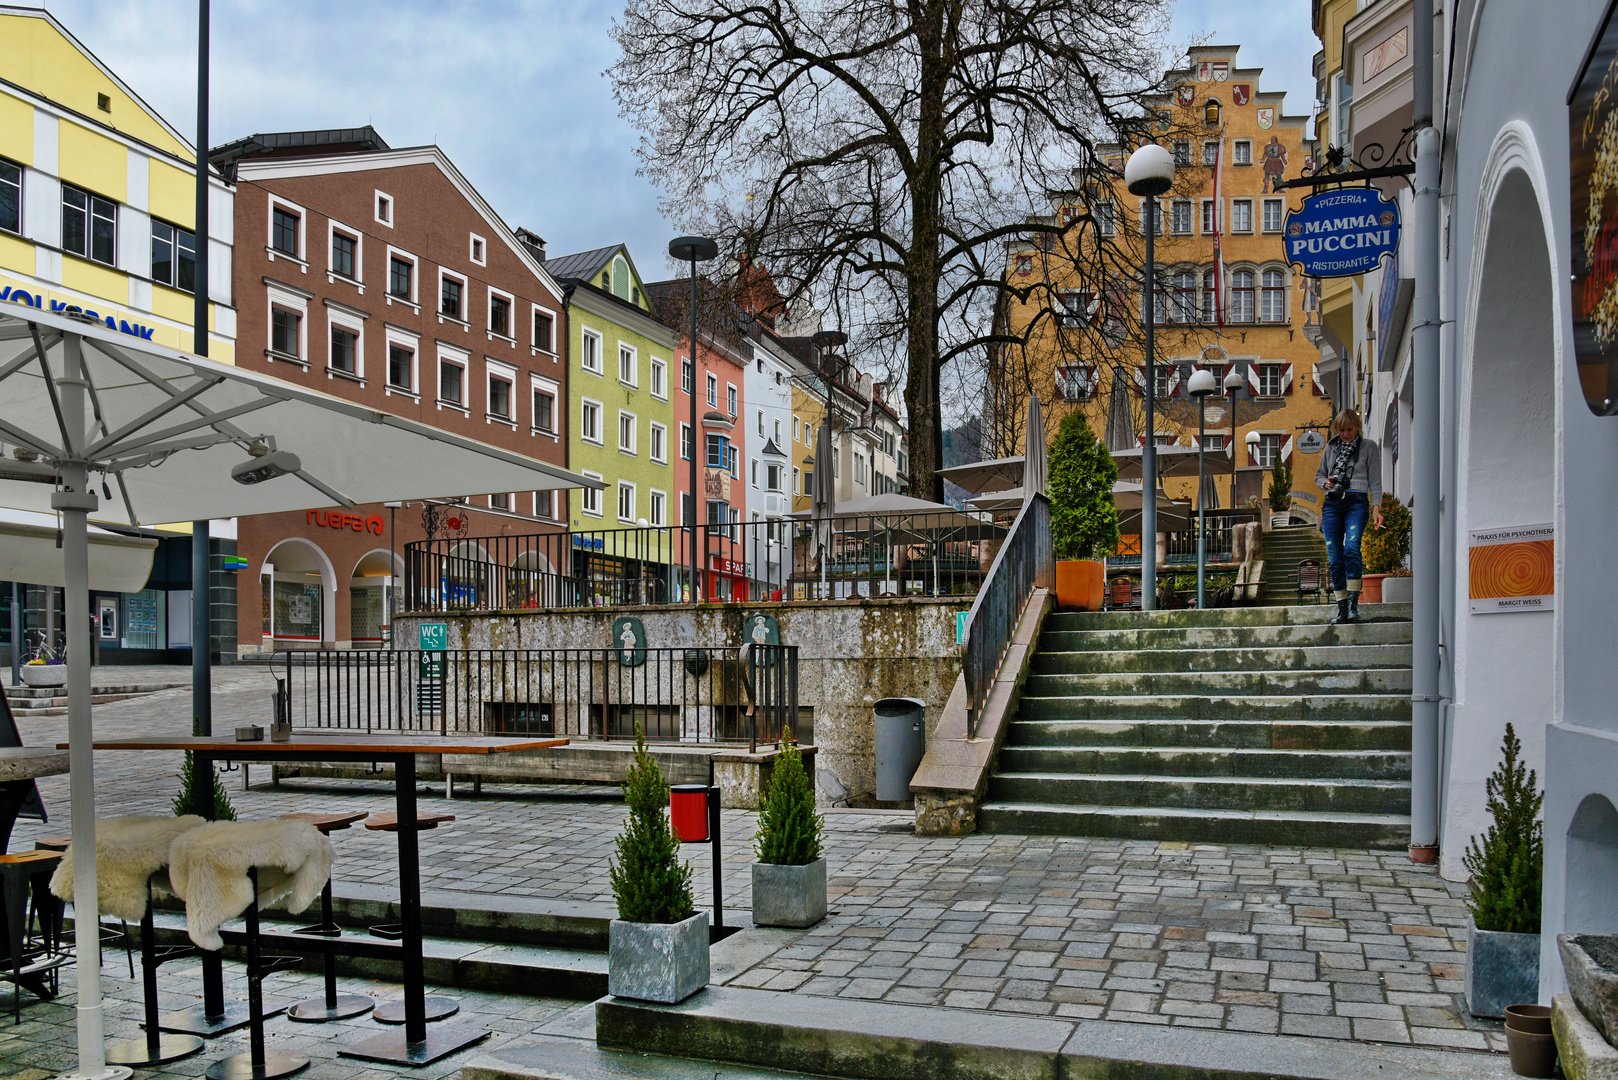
208,867
128,851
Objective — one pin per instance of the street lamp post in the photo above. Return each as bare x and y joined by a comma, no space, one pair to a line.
1201,385
694,249
1252,441
1232,384
1149,173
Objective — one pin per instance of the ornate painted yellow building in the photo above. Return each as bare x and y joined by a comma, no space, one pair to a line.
98,194
1233,145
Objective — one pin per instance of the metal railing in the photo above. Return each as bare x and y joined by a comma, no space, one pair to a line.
914,554
1025,560
704,695
1180,546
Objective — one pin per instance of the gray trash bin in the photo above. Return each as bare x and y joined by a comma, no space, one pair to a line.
901,739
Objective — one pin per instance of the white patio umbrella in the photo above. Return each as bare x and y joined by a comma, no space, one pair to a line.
983,477
1171,461
28,552
166,436
1034,471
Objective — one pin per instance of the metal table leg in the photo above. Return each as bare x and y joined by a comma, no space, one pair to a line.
157,1046
258,1063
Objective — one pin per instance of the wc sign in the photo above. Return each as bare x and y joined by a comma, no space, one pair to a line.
1342,233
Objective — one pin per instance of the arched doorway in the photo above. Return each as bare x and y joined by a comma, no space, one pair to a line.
1504,661
1591,868
298,587
374,593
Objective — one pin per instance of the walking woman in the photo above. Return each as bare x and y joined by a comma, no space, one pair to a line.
1350,474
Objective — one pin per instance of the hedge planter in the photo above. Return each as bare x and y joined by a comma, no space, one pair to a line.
1591,964
1501,969
659,962
792,896
1371,588
44,674
1080,584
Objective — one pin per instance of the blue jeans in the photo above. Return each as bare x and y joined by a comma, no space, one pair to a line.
1343,521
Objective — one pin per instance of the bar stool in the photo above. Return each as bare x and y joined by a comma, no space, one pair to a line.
332,1005
21,873
132,855
64,938
227,868
437,1007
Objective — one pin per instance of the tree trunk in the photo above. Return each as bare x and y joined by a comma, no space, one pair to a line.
922,398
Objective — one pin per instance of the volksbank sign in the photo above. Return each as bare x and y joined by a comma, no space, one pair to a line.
1342,233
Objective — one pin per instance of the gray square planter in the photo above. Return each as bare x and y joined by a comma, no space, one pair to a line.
1501,969
789,895
661,962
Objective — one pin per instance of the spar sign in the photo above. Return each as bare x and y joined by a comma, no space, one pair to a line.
1341,233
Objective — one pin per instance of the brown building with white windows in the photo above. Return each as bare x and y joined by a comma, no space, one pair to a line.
383,277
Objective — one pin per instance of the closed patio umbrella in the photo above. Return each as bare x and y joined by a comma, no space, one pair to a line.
1033,476
823,496
100,424
1120,420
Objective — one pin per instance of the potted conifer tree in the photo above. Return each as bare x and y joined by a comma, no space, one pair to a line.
789,878
1502,935
1386,550
1084,517
657,947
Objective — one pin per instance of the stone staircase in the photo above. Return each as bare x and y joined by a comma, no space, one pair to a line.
1234,725
28,701
1284,548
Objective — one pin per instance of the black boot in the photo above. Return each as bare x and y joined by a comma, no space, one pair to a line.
1353,607
1342,612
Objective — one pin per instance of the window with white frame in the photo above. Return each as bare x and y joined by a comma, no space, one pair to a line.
730,399
859,468
1210,152
658,439
346,355
1274,209
626,432
286,230
1241,152
401,277
626,501
685,375
753,471
1241,296
660,379
451,298
590,498
1210,217
401,366
777,433
345,253
1185,297
544,330
1182,153
451,383
286,331
544,409
772,478
1106,215
797,429
1213,442
10,197
1210,296
1268,450
590,421
1273,297
1270,380
1180,217
657,510
174,253
89,226
761,421
713,390
500,314
1162,377
1075,382
1241,215
685,442
384,209
502,380
627,373
542,504
590,351
479,250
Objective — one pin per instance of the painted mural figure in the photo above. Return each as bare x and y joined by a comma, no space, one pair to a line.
1275,164
628,639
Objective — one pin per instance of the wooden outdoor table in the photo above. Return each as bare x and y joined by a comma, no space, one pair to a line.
418,1044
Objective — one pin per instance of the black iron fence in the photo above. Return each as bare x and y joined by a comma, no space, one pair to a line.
1025,560
913,554
710,694
1177,546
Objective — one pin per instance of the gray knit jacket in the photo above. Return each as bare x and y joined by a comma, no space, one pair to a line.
1367,470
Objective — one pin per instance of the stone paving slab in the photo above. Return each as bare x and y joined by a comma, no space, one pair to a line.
1326,943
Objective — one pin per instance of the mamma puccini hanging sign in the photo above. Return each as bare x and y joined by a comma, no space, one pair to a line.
1342,233
1593,136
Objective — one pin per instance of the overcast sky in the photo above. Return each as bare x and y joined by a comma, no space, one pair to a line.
513,90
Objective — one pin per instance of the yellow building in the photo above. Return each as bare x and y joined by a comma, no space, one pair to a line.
98,195
808,410
1233,145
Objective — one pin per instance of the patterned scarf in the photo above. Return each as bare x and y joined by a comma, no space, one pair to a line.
1347,453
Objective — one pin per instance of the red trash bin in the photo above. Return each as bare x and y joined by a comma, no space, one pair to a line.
688,810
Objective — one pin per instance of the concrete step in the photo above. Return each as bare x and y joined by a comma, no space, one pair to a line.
547,1057
1299,615
1306,658
1343,681
58,706
1293,828
1207,761
1234,734
879,1040
1322,708
1330,796
24,693
1305,635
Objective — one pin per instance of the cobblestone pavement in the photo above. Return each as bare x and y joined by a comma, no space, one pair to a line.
1340,944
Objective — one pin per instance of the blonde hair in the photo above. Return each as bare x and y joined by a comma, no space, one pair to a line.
1345,419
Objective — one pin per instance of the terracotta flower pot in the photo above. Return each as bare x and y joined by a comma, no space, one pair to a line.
1532,1053
1535,1019
1080,585
1371,591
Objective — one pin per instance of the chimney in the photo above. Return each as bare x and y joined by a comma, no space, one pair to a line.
533,242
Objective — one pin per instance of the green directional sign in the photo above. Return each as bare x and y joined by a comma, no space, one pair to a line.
960,627
433,636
